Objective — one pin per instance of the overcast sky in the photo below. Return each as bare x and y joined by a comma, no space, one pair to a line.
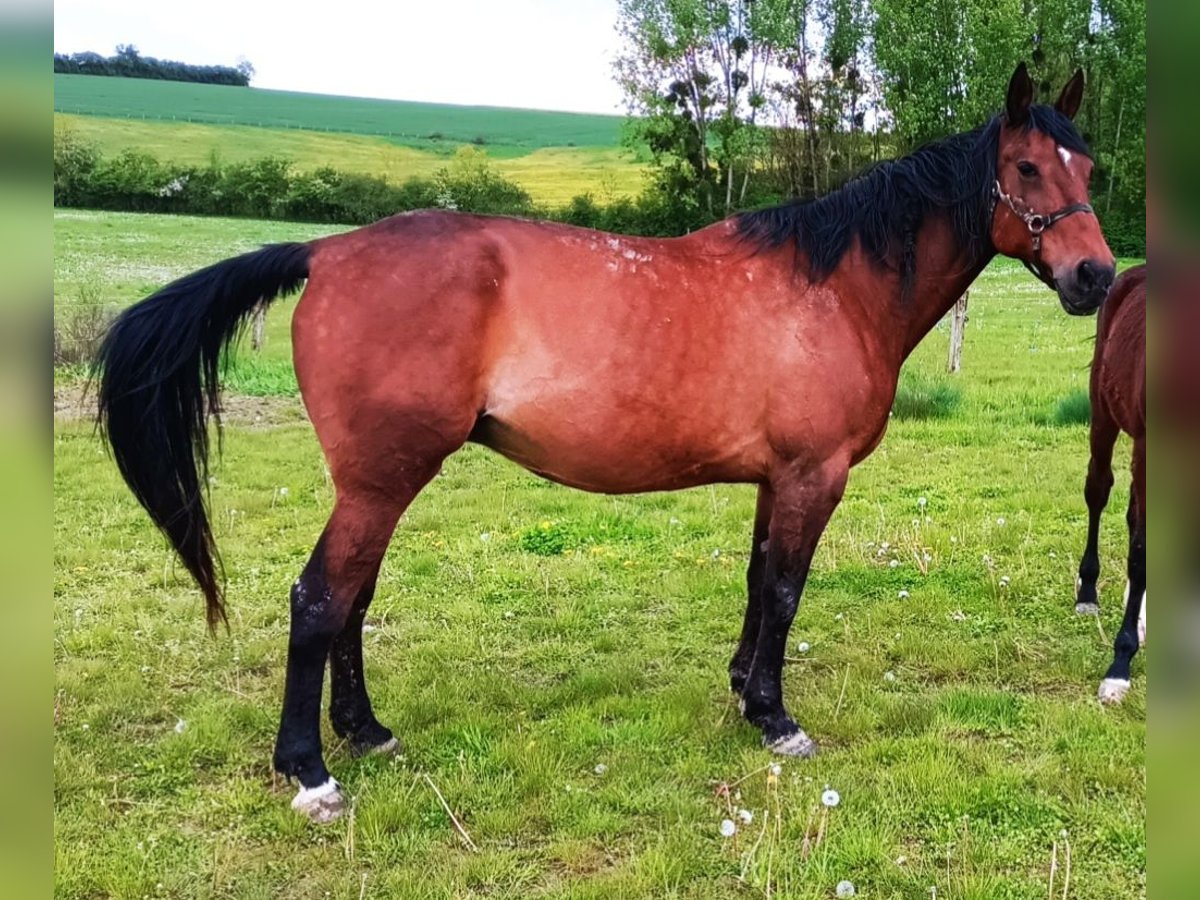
542,54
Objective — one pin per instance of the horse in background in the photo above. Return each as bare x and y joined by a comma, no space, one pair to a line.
1118,396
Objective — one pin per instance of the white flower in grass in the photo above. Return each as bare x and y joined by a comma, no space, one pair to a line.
958,616
485,536
600,769
904,595
728,829
845,889
921,502
1000,520
776,769
839,617
889,676
830,797
745,816
803,646
180,726
716,553
283,492
1004,581
893,563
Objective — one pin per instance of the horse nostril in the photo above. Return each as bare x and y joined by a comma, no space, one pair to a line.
1091,276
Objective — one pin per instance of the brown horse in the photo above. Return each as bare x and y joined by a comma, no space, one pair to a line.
1118,394
764,349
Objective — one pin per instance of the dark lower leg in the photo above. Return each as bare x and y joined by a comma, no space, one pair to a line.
1096,489
315,621
804,502
739,666
344,561
350,709
1126,643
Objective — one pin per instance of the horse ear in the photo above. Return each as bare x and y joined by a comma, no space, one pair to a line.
1020,95
1071,96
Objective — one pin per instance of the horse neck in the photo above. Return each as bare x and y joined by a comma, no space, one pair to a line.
944,271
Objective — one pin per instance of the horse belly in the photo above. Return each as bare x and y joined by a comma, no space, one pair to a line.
580,446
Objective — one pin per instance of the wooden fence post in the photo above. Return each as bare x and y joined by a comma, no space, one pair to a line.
258,329
958,328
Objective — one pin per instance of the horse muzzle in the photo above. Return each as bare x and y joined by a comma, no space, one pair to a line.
1083,289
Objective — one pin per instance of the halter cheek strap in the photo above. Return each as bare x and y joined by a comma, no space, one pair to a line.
1037,223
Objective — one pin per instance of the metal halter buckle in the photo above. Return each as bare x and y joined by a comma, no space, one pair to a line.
1037,224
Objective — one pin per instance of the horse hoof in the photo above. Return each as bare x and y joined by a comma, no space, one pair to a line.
1113,690
390,747
321,804
795,744
1087,609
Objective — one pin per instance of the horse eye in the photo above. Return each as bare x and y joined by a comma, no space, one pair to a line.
1027,169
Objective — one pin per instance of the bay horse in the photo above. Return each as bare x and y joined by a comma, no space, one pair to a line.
764,349
1118,399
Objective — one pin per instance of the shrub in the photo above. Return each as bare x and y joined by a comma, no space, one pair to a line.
1073,409
921,397
78,331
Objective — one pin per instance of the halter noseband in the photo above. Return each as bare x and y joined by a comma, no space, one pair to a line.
1036,223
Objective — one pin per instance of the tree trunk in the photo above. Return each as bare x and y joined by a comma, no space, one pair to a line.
958,328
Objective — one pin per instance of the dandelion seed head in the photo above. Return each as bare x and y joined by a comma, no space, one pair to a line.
727,828
600,769
893,563
803,646
1000,520
776,769
180,726
845,889
921,501
747,817
831,798
903,595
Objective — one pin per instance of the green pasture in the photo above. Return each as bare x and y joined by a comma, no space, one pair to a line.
142,98
551,175
555,662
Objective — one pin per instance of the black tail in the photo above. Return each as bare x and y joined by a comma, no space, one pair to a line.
158,371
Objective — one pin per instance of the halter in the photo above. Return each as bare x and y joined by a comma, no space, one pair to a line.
1037,223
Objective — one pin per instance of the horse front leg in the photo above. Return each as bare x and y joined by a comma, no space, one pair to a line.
739,666
805,499
1116,681
1095,491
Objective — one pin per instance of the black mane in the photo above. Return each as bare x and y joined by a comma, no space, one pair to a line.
885,205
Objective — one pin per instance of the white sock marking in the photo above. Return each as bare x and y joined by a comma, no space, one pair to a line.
1113,690
309,796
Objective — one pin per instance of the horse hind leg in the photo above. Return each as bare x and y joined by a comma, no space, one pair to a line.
330,597
1096,490
350,711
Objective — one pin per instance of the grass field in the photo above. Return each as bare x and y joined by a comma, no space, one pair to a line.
141,98
957,723
555,156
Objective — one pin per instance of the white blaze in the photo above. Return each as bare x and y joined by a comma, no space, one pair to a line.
1065,156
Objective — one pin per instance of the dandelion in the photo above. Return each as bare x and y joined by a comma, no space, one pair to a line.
745,816
1000,520
921,501
839,617
1004,581
953,539
893,563
600,769
830,797
803,646
1053,555
889,676
509,614
86,726
674,521
901,860
927,556
958,616
180,725
904,595
367,629
283,492
776,769
845,889
728,828
716,553
485,536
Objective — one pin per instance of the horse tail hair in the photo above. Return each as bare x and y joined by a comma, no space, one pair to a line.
158,369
